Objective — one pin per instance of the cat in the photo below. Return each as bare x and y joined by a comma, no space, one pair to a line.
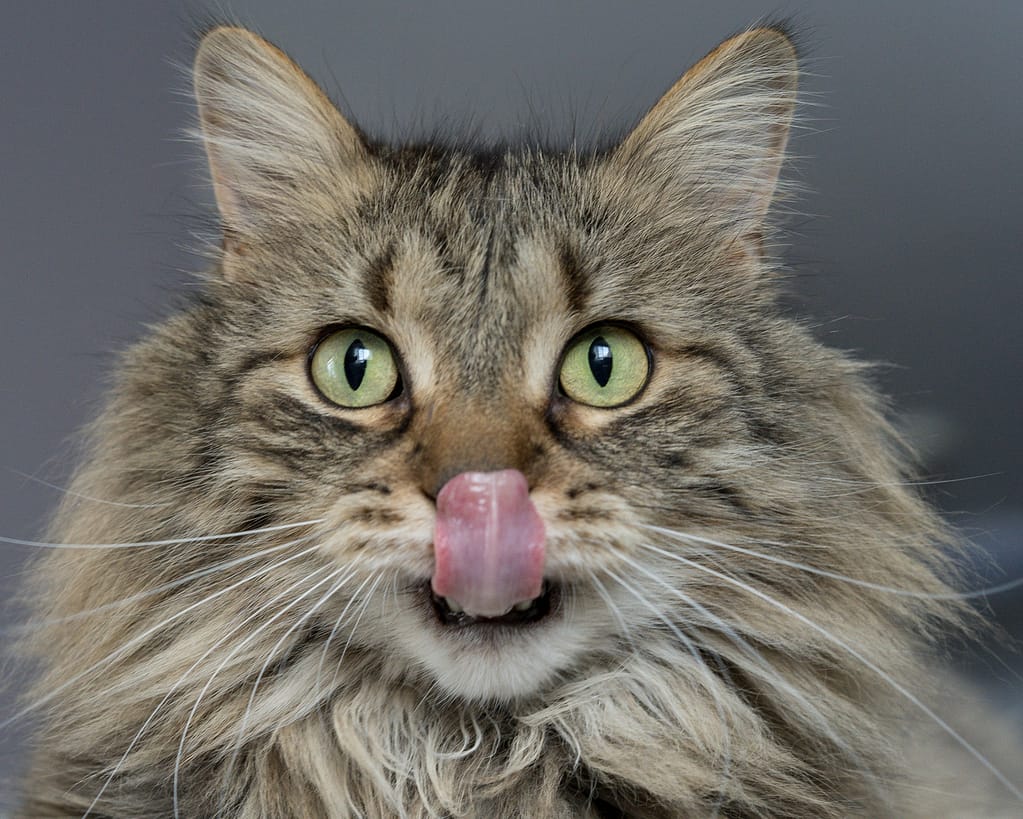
496,483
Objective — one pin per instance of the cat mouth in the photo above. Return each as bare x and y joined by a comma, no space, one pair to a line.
527,612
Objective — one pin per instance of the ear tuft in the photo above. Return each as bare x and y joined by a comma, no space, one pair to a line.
720,132
269,131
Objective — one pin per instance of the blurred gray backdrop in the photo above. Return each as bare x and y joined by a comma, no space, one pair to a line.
910,250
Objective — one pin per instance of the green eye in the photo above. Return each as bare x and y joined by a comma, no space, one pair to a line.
355,368
604,367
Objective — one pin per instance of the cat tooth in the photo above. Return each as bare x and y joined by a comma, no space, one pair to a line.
454,606
524,605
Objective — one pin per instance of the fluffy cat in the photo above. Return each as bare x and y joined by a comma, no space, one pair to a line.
495,484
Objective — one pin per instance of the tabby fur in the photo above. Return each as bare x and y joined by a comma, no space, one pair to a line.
204,676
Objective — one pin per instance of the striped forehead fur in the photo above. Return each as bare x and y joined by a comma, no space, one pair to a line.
754,589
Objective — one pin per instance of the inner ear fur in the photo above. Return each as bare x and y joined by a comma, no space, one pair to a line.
276,144
716,140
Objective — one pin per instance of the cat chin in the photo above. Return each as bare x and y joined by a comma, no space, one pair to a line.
500,667
491,662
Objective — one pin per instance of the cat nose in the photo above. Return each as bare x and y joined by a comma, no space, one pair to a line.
475,440
441,478
432,480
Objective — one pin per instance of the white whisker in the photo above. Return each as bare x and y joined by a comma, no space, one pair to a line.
337,625
226,660
355,625
237,627
140,638
773,677
866,584
72,493
173,584
169,542
615,610
711,682
884,675
270,657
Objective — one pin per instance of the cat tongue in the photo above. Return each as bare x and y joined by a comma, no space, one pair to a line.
488,543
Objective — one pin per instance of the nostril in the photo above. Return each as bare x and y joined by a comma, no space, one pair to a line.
434,483
432,490
441,478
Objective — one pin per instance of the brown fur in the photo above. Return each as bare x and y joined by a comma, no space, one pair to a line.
676,679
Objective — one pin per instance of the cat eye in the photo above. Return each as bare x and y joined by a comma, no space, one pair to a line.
355,368
604,366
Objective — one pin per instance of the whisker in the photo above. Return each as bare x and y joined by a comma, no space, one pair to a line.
170,542
227,659
895,684
701,664
921,482
237,627
866,584
119,652
771,674
337,625
394,589
173,584
355,625
271,655
616,612
72,493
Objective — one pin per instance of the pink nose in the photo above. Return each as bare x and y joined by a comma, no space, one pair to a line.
488,542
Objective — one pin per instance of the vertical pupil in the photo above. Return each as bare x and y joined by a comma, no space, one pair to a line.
600,360
356,358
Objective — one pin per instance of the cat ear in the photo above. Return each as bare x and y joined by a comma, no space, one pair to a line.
275,143
716,140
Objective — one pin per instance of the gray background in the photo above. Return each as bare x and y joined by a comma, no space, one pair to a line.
909,251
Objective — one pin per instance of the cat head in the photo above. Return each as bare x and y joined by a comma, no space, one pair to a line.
471,292
495,420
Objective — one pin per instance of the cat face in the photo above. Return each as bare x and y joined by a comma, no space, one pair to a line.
475,274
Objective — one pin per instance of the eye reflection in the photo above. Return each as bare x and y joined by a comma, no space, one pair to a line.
601,360
356,359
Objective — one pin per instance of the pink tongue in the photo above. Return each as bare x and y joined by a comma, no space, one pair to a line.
488,543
